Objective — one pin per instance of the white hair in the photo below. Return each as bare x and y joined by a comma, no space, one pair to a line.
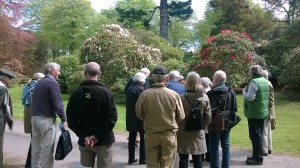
265,73
139,77
173,74
206,82
146,71
50,66
221,75
37,76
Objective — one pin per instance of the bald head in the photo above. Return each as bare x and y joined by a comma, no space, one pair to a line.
92,71
219,78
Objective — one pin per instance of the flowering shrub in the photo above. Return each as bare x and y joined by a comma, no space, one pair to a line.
117,52
229,51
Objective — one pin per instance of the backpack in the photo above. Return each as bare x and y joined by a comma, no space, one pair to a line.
194,121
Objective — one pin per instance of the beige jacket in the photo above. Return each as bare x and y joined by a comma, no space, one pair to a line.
160,108
271,102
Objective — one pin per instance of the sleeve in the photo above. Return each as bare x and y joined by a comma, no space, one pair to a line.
58,106
206,112
271,102
111,117
7,107
139,107
128,84
73,118
180,115
250,94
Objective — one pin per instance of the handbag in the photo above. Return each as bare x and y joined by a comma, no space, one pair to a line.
234,121
64,145
217,122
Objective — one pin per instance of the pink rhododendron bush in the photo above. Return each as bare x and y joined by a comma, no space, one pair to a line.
229,51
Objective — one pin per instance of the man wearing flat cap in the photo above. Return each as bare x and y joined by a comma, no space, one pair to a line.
5,106
161,110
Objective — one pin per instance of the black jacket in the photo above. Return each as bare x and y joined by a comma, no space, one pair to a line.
92,111
221,100
130,82
133,124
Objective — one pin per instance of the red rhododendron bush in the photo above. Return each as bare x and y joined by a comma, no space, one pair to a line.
229,51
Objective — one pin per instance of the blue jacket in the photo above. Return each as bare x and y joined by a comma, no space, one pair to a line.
176,86
27,93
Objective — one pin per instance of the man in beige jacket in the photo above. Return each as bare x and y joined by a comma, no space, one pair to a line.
161,110
269,122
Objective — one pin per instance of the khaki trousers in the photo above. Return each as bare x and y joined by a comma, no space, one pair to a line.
161,149
103,153
42,142
267,136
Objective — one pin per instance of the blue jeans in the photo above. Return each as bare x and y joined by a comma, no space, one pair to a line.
214,139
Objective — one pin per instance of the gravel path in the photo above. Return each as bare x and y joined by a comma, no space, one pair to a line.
16,144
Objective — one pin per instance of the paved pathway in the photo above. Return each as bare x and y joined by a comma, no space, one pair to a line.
16,144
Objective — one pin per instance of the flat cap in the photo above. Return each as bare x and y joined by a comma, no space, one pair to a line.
161,70
7,73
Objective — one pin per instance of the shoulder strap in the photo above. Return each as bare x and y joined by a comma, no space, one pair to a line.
189,100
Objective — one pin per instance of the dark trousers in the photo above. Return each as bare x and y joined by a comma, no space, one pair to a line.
28,160
255,134
131,146
184,161
207,156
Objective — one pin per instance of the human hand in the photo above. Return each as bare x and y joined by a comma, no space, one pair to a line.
10,124
65,125
90,141
273,123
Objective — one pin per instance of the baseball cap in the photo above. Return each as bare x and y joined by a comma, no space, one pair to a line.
7,73
160,70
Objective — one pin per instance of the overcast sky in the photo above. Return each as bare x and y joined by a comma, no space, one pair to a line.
197,5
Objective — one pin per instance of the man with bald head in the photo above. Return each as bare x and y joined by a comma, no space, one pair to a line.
92,115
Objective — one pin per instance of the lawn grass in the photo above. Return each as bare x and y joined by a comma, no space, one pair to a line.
285,137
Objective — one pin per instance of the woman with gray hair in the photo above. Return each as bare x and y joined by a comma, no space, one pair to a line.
26,101
193,142
133,124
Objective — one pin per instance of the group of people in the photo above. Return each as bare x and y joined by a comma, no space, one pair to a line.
158,113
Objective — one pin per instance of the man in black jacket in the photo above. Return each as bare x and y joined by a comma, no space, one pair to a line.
221,100
92,115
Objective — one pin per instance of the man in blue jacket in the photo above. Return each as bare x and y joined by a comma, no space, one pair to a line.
46,106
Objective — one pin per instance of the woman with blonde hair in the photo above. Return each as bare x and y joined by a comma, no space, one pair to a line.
193,142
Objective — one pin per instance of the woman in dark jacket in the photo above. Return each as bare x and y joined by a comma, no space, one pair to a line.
133,124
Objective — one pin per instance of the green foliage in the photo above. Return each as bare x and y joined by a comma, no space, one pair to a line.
150,39
173,64
291,72
180,34
117,52
66,23
229,51
70,70
182,10
134,13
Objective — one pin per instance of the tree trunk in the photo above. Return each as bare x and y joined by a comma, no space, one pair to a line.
163,32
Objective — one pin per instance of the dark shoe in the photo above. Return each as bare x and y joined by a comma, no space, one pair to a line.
191,161
132,161
207,159
136,145
250,158
269,152
142,162
265,154
253,162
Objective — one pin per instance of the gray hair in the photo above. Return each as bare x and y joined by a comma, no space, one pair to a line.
159,78
193,82
221,75
37,76
206,82
139,77
50,66
255,70
146,71
173,74
265,74
92,69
